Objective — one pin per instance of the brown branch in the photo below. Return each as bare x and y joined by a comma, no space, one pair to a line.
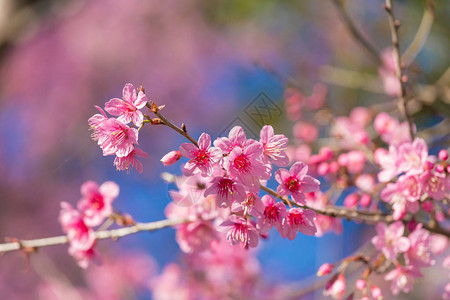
357,35
104,234
368,217
394,25
166,122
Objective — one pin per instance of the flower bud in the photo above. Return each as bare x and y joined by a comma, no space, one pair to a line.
443,155
376,292
171,158
360,284
325,269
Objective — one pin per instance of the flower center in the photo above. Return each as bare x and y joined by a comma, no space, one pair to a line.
292,184
242,164
202,157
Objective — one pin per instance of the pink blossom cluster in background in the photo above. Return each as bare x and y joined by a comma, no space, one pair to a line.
94,206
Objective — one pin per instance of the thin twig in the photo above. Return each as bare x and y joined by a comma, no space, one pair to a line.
394,25
355,32
104,234
173,126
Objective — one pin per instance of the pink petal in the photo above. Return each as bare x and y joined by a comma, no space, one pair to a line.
88,188
109,189
129,93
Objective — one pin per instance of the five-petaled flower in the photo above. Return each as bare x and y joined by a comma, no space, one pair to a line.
296,183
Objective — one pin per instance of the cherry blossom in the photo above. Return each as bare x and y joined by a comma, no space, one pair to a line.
227,191
296,183
273,215
298,219
402,278
240,230
128,108
274,146
202,158
80,235
96,202
130,161
390,240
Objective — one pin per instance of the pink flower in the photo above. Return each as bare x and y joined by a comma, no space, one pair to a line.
252,205
435,184
388,162
226,190
301,220
402,278
390,240
97,118
80,235
114,137
336,287
402,195
240,230
361,116
82,256
195,236
95,203
353,160
273,215
274,146
245,166
130,161
202,158
412,156
388,74
171,158
419,252
296,183
128,109
306,132
236,138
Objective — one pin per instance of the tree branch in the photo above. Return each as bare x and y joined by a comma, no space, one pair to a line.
339,4
113,234
368,217
394,25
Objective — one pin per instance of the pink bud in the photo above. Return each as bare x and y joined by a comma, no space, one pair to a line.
360,284
376,292
440,168
171,158
343,160
351,200
337,289
443,155
429,165
325,269
333,167
323,168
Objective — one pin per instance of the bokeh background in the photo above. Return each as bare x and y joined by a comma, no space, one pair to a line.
206,61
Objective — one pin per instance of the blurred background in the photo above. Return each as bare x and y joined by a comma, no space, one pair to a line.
206,61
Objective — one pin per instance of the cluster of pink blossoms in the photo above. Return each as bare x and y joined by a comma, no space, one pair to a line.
92,209
114,135
224,185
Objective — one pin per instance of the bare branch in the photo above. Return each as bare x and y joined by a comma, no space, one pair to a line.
104,234
394,25
357,35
